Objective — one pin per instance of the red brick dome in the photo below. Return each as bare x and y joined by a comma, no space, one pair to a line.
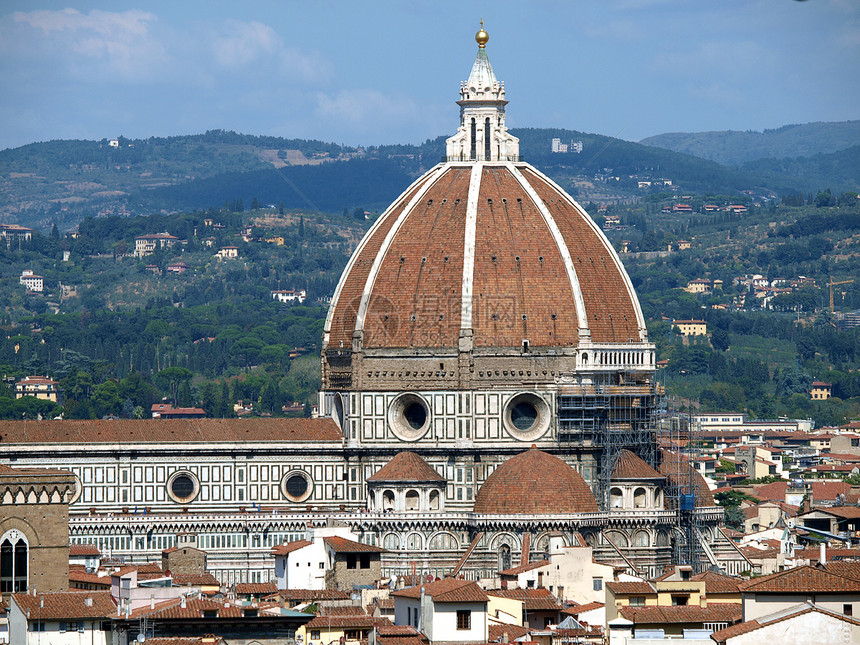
535,482
495,248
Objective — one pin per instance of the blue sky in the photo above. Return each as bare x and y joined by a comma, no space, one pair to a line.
365,72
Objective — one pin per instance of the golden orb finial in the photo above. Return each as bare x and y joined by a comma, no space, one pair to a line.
482,36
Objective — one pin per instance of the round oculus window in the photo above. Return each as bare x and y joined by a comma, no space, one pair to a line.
183,487
297,486
409,416
526,416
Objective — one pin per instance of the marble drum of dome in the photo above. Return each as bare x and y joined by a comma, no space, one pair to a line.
479,296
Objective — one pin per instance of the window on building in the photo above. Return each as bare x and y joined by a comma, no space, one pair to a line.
637,601
464,619
315,634
597,584
847,609
350,561
13,563
353,634
37,626
680,601
364,561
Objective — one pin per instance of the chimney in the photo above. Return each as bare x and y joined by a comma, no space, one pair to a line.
88,602
152,601
182,602
822,555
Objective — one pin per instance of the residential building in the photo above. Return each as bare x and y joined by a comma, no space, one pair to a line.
820,391
41,387
61,618
691,327
147,244
699,285
13,234
33,282
228,253
798,625
290,295
447,610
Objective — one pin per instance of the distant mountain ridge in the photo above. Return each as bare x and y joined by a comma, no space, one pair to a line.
733,147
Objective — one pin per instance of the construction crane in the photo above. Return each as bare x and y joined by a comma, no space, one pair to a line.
832,284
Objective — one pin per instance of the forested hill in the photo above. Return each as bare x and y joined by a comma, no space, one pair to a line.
734,147
62,182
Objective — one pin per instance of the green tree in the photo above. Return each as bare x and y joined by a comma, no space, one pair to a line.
171,378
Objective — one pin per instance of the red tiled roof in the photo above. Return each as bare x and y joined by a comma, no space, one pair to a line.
204,431
446,590
84,577
631,466
715,612
497,632
346,620
303,595
534,482
83,549
342,545
539,599
289,547
528,566
717,583
721,636
801,580
185,640
256,588
66,604
581,609
347,610
194,579
625,588
406,467
847,512
771,492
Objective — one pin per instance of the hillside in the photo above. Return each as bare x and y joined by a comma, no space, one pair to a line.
733,147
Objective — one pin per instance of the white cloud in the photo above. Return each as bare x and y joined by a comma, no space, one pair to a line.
120,43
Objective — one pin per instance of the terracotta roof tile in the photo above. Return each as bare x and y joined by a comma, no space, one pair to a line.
534,482
800,580
83,549
497,632
538,599
66,604
721,636
289,547
446,590
307,595
256,588
406,467
342,545
717,583
346,620
715,612
95,431
194,579
581,609
625,588
528,566
631,466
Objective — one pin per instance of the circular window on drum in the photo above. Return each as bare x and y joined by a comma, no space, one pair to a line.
526,416
297,485
183,487
409,416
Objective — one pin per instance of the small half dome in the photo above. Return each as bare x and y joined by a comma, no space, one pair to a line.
535,483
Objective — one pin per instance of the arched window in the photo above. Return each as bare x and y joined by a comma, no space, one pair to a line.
658,498
640,498
14,555
391,542
641,539
504,557
388,500
434,500
662,538
487,154
474,151
413,542
412,500
618,539
616,498
443,541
